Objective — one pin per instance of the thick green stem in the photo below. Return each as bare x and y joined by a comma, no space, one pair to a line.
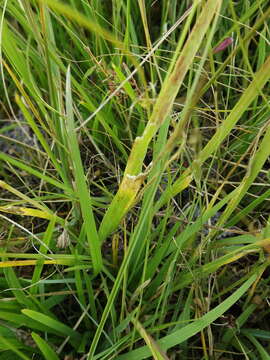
133,178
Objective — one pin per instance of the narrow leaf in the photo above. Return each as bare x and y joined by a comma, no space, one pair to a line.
190,330
47,351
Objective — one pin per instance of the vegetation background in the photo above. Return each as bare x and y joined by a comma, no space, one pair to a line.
134,191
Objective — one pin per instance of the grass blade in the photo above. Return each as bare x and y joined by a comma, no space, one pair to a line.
186,332
132,180
81,186
47,351
51,323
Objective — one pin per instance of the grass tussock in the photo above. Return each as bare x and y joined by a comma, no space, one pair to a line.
134,191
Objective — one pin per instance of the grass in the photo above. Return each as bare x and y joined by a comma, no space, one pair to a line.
134,204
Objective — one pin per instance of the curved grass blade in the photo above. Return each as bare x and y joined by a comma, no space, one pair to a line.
51,323
190,330
132,180
14,348
249,95
47,351
156,352
264,355
30,170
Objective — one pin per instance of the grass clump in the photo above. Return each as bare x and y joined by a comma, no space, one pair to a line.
134,179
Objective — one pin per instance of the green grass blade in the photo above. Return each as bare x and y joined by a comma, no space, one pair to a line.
132,180
264,355
253,90
14,348
30,170
255,165
47,351
81,185
43,250
186,332
51,323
